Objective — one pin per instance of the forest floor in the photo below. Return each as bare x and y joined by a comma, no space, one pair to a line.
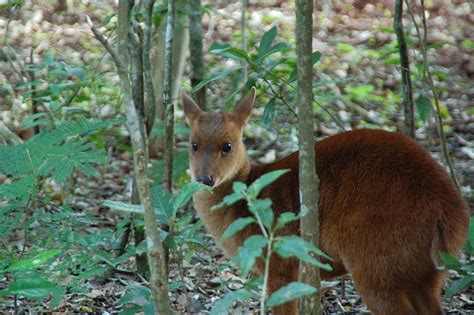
346,37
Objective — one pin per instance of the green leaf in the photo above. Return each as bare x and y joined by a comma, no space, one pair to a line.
149,309
215,77
285,218
36,261
470,235
292,291
186,193
63,171
230,101
163,202
424,107
468,43
269,112
229,52
315,57
34,120
249,251
29,287
262,208
264,181
121,206
450,262
57,297
136,293
344,48
236,226
239,189
280,47
228,200
267,40
460,285
222,306
294,246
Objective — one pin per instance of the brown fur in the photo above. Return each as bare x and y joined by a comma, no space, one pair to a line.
386,208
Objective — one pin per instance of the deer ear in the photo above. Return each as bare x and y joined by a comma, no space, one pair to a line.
244,108
191,109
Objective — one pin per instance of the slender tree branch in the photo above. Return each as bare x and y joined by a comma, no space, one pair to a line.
168,77
408,108
428,78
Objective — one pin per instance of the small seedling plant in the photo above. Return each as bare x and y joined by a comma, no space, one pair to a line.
263,246
181,238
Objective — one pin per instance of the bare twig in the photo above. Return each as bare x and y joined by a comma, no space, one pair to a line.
408,108
428,78
281,98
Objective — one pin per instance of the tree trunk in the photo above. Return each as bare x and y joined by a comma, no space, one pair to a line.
195,51
168,102
308,179
158,276
180,43
408,109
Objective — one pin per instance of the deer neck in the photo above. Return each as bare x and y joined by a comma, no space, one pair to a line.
217,221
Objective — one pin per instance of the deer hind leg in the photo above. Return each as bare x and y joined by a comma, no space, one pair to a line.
384,300
290,308
282,272
426,297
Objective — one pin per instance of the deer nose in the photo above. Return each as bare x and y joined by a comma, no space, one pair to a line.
206,180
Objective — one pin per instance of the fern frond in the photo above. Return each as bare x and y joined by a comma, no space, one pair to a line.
54,153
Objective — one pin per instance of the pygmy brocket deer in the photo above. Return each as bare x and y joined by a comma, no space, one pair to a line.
386,207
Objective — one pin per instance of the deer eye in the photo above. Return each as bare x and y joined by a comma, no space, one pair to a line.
227,147
194,147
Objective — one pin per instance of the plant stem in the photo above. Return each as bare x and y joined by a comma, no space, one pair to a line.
266,274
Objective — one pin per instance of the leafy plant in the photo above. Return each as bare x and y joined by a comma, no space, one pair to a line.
269,67
181,237
56,255
53,153
263,246
464,268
